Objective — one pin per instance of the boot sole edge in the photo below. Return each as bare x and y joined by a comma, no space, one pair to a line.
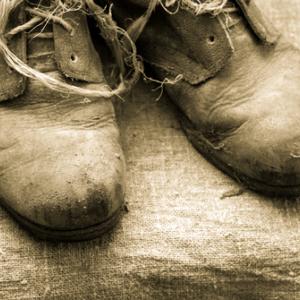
46,233
202,146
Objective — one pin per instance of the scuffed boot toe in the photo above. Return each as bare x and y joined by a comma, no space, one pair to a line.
264,155
61,160
71,193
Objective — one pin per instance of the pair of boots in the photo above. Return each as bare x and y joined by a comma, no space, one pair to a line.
235,80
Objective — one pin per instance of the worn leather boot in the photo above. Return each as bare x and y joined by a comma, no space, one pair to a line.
62,166
239,93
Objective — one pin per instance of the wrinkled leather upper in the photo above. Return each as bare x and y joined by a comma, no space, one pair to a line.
247,113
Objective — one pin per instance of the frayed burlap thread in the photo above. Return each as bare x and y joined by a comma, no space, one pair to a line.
55,13
121,42
197,7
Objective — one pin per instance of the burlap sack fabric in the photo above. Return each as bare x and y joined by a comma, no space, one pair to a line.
190,232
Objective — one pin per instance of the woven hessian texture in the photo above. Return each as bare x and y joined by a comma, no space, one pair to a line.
186,236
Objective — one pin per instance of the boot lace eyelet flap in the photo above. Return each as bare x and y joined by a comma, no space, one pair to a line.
198,45
75,54
194,47
12,84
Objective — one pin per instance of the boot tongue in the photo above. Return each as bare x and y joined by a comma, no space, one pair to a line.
40,43
40,47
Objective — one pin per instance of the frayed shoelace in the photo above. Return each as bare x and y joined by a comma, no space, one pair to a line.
122,42
113,34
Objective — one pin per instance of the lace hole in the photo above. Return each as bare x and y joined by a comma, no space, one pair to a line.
74,57
211,39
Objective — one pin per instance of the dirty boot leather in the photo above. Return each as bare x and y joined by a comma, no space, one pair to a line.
239,94
62,166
